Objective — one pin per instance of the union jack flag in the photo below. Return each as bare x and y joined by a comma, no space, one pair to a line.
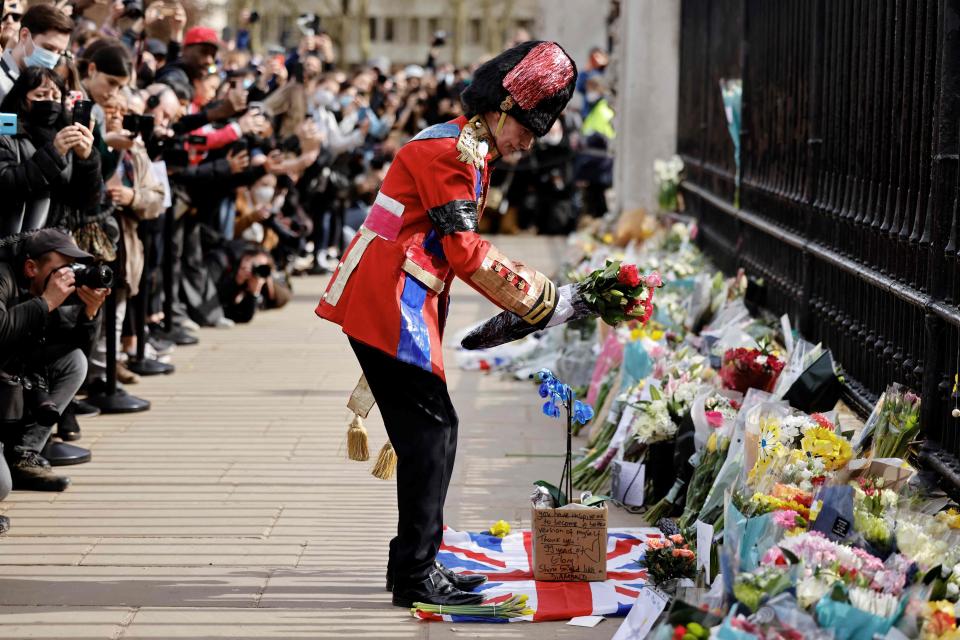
507,564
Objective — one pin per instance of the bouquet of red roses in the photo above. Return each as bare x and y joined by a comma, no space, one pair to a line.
616,293
619,292
745,369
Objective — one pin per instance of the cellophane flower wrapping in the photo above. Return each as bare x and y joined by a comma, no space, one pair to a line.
745,369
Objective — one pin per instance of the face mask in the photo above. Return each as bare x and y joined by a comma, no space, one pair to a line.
324,98
44,113
592,96
247,83
345,100
262,195
41,57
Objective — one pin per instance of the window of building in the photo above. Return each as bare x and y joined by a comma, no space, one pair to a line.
388,24
414,30
476,30
372,22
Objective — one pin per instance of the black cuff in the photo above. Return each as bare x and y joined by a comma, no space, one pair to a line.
454,216
545,307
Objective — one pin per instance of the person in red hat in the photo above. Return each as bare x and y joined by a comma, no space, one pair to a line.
199,57
391,291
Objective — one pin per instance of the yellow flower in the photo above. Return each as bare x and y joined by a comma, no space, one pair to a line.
823,443
500,529
712,442
950,517
608,238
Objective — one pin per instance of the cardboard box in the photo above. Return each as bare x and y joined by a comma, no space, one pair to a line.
570,544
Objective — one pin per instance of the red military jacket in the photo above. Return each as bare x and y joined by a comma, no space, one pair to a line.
391,289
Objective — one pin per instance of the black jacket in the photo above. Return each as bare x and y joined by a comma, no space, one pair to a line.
29,334
40,187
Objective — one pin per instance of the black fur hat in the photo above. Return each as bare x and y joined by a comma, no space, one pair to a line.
532,82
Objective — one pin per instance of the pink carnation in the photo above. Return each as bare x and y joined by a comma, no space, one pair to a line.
654,280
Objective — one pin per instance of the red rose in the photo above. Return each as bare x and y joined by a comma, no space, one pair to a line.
628,275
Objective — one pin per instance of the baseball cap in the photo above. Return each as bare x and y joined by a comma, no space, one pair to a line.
201,35
47,240
156,47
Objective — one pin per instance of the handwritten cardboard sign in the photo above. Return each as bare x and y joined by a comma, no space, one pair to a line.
570,544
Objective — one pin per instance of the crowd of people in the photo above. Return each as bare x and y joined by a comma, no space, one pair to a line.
179,183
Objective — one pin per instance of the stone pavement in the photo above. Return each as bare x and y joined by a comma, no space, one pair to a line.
228,510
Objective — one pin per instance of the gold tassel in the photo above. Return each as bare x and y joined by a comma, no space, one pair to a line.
386,463
358,447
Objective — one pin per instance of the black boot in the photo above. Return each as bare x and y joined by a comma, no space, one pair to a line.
68,429
33,473
434,589
82,409
464,582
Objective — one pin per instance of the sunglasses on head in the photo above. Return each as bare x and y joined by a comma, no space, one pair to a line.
13,16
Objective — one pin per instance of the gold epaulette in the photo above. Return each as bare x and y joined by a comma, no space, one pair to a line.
473,144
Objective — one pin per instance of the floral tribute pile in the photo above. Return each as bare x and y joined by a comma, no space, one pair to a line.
782,518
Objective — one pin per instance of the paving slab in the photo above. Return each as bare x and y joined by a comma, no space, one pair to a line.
229,511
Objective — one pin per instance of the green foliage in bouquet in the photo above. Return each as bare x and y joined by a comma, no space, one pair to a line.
751,589
898,426
618,292
669,559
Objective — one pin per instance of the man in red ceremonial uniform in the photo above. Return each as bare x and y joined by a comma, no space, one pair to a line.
390,292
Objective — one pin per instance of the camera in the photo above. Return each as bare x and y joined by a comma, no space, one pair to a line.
262,270
171,149
95,276
139,125
133,9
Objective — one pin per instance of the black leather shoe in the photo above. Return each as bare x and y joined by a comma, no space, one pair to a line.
82,409
178,336
68,429
434,589
464,582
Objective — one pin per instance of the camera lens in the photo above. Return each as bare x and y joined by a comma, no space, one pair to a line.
262,271
97,276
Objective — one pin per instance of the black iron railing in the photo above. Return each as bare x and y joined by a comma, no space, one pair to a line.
849,177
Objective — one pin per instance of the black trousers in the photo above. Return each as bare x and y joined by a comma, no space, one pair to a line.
422,426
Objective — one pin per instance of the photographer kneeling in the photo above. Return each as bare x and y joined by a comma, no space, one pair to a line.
246,280
45,323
